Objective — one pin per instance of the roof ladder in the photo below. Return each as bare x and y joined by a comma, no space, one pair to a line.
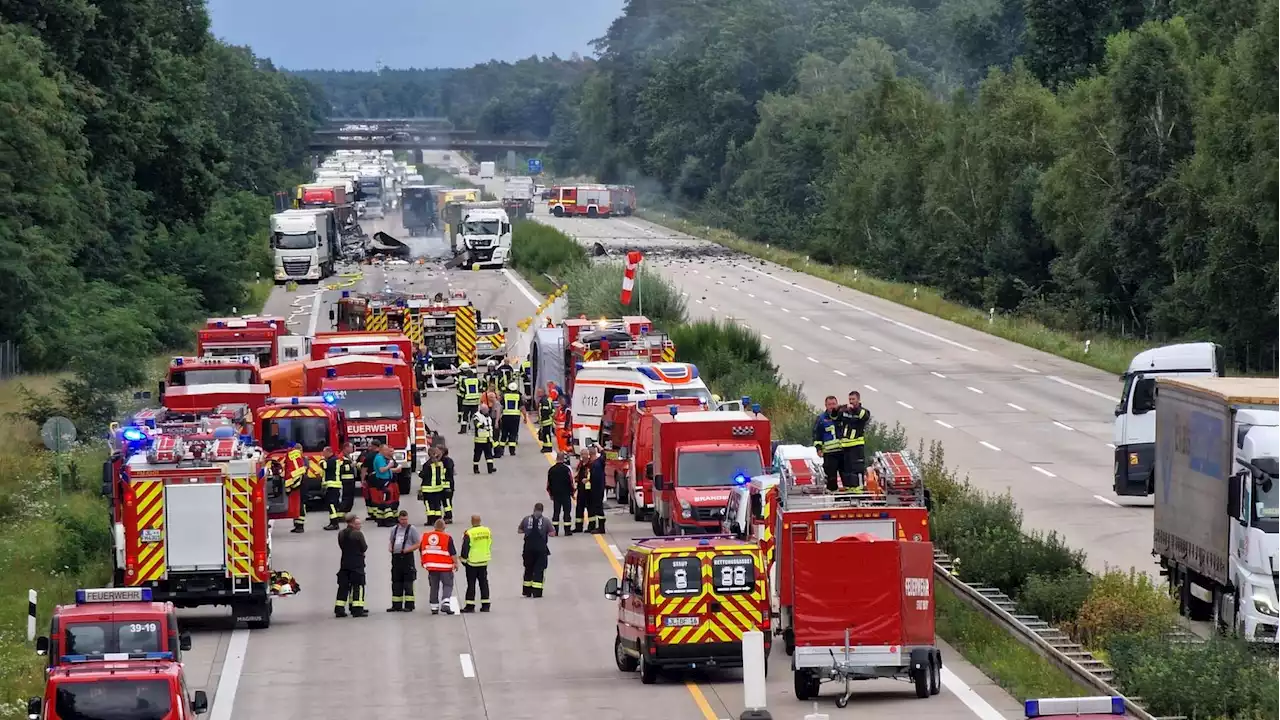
239,512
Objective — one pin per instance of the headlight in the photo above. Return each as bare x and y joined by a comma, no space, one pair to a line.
685,510
1263,601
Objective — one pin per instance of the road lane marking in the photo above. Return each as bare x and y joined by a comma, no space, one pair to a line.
751,295
715,309
971,699
701,701
785,310
905,405
839,373
1081,388
824,327
904,360
1019,408
616,552
224,698
1042,471
789,348
872,389
519,283
946,425
1020,367
988,445
1111,445
699,301
974,389
1068,428
468,668
766,337
811,359
805,319
766,302
873,347
937,374
1108,501
846,337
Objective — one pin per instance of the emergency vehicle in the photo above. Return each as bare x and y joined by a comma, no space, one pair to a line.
229,373
447,326
625,428
377,396
698,458
313,422
113,621
191,519
137,686
685,603
623,199
265,338
491,340
596,384
580,201
1102,707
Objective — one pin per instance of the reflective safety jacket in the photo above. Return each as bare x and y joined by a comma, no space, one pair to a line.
437,555
482,428
295,469
511,404
471,391
546,412
331,480
854,427
827,432
477,544
434,478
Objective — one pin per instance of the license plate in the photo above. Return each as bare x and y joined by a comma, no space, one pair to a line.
682,621
151,536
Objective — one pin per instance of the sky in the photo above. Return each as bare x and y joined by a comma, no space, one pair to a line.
345,35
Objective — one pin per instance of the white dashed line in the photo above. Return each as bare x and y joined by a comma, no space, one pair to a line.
707,277
714,308
699,301
789,348
873,347
812,360
869,387
973,389
904,360
1027,369
839,373
946,425
1108,501
1081,388
988,445
1068,428
937,374
751,295
1042,471
766,337
1019,408
905,405
805,319
824,327
846,337
468,669
616,552
766,302
735,288
785,310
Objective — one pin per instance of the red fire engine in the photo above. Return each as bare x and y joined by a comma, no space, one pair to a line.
313,424
92,687
229,374
191,519
623,199
110,621
626,430
266,339
378,398
581,201
627,338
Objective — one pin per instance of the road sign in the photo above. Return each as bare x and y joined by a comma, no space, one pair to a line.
535,166
58,433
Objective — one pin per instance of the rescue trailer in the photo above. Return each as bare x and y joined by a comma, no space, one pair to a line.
685,603
191,520
113,623
150,686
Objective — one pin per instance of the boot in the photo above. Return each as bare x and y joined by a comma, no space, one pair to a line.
298,529
339,613
331,526
359,612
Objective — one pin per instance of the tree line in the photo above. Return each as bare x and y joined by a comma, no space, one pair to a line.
136,154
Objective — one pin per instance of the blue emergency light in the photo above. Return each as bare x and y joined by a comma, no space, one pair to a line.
388,371
330,398
663,396
224,432
133,434
674,410
756,408
104,595
331,372
1100,705
177,361
577,366
741,479
109,657
219,324
293,401
746,401
346,293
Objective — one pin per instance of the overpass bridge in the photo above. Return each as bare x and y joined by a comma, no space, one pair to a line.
322,141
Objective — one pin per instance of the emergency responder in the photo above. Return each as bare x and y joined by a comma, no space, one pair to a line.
854,440
347,476
546,421
468,397
384,486
510,419
563,420
352,545
827,434
423,365
482,437
560,490
505,373
477,546
295,468
403,545
434,486
526,382
331,483
449,482
366,476
440,560
535,529
596,474
582,478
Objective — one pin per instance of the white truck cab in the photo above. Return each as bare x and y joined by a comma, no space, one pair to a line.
304,244
1134,431
485,234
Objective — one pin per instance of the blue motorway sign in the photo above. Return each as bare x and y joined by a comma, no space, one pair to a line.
535,166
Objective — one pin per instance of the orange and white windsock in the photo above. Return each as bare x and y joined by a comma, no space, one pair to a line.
629,275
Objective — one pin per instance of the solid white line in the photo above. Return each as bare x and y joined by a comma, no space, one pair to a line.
988,445
789,348
945,425
1108,501
937,374
699,301
735,288
315,314
224,699
971,699
873,347
905,405
616,552
869,387
1019,408
904,360
839,373
862,310
805,319
1042,471
751,295
824,327
524,290
811,359
766,337
468,669
1081,388
974,389
1037,372
846,337
1064,427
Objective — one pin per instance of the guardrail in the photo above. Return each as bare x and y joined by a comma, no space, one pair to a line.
1047,641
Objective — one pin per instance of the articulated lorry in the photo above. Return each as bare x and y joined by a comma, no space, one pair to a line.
1216,513
305,244
419,214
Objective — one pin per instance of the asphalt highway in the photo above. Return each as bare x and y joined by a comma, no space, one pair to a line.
528,658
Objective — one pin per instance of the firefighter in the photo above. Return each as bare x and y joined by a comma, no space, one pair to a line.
546,421
595,475
560,490
510,419
449,482
468,397
562,422
422,365
385,489
526,382
506,373
353,546
434,487
535,529
332,486
582,476
482,437
477,545
854,441
295,468
440,560
366,475
347,476
403,545
827,434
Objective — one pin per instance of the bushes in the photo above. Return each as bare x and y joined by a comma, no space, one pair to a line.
1123,603
538,249
1222,678
597,292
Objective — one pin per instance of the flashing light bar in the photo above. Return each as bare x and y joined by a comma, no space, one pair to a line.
106,595
109,657
331,372
217,360
298,400
741,479
329,397
134,434
1100,705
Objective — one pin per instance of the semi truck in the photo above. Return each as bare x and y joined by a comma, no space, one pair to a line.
484,235
1216,515
519,190
419,214
488,170
305,244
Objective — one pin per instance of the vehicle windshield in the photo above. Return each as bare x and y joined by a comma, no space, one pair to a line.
211,376
311,433
716,468
702,394
286,241
1266,501
482,227
113,699
129,636
370,404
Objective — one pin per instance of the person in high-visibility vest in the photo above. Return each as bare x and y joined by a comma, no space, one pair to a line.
440,560
562,428
469,401
546,421
449,482
331,483
295,470
828,429
510,420
477,546
434,487
854,440
482,439
526,382
347,476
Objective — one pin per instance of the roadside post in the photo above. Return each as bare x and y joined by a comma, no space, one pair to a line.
753,677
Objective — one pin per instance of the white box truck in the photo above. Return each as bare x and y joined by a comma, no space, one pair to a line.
305,243
488,170
1216,513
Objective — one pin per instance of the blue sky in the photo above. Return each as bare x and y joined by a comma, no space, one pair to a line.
345,35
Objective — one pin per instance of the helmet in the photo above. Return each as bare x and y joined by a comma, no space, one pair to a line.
492,363
513,387
464,366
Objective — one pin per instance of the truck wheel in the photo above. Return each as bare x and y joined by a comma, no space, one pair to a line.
557,211
804,685
625,662
920,677
619,489
264,607
648,673
637,511
935,673
789,641
657,524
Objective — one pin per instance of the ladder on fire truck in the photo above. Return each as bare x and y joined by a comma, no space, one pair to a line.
240,544
893,479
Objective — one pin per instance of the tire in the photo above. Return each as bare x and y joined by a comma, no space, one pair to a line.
625,662
648,673
789,641
558,211
935,673
637,511
921,679
800,679
656,524
620,489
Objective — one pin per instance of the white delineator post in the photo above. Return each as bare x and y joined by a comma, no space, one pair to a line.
753,677
31,616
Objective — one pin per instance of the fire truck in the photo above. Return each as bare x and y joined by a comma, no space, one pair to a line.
313,422
266,339
623,431
109,621
449,327
698,458
376,394
191,519
581,201
559,352
623,199
116,687
221,371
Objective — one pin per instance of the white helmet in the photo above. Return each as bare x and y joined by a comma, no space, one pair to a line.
492,363
512,387
464,366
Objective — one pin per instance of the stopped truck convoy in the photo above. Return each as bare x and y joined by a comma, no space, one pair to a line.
626,437
191,520
92,688
1216,492
112,623
265,338
698,458
305,244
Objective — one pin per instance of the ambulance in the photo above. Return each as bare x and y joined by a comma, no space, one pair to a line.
596,384
685,603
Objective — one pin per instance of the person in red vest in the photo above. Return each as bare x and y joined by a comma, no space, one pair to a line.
440,560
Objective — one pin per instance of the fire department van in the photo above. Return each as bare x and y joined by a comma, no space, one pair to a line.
137,687
596,384
685,603
624,432
110,622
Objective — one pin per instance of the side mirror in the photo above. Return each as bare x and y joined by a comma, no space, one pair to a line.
1119,409
659,483
160,389
735,528
184,641
200,702
611,589
42,646
332,315
1235,494
648,471
33,708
